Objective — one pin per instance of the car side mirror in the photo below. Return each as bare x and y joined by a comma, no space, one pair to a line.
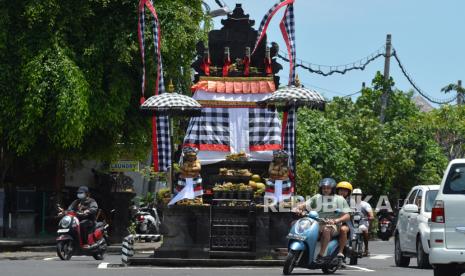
411,208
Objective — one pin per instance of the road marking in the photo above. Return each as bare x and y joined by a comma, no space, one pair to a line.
56,258
360,268
118,266
103,265
380,257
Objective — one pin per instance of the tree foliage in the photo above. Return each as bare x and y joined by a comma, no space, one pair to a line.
71,74
348,142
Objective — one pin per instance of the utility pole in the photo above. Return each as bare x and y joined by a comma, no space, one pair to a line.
385,95
460,95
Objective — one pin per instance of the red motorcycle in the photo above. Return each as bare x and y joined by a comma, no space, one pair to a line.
386,225
70,242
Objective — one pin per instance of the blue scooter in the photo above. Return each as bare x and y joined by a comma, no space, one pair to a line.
303,246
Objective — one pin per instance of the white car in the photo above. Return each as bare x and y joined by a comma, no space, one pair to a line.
447,254
412,235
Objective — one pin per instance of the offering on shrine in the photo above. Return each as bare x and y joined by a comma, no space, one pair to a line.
279,169
190,167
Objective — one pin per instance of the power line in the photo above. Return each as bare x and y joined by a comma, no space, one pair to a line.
353,94
344,95
361,65
410,80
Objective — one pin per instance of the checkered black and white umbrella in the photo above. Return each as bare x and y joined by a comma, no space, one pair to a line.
171,104
292,96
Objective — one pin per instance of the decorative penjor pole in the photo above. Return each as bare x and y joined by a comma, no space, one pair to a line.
161,145
287,26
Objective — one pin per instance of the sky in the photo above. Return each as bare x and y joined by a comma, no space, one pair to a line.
427,35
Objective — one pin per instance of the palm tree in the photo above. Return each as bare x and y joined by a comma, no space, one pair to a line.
458,88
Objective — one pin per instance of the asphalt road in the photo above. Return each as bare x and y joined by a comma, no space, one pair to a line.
380,263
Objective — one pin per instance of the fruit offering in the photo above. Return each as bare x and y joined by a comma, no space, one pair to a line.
229,172
241,156
190,202
228,187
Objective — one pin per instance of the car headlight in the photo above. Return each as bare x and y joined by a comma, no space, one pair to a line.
303,225
65,222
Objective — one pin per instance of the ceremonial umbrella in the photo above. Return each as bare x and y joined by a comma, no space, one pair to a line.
171,104
289,98
292,96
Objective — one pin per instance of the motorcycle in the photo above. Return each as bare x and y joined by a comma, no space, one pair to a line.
385,226
355,249
70,242
303,246
147,220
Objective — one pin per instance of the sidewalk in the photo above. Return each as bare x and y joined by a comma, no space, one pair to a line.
38,249
11,244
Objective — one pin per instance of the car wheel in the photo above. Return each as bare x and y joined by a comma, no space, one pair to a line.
422,257
399,258
440,270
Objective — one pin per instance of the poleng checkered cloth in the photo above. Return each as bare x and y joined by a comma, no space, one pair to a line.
264,129
160,124
289,137
267,18
287,26
210,130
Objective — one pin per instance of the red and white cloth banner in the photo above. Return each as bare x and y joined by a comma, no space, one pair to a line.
160,124
287,26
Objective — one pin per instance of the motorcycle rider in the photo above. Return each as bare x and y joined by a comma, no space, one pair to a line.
325,203
367,212
86,208
344,189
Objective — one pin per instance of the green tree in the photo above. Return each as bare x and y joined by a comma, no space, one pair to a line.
348,142
70,78
448,125
457,88
322,151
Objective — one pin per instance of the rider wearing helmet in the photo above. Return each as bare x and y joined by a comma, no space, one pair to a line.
86,208
367,212
344,189
326,203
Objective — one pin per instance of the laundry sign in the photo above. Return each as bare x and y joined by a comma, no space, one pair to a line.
124,166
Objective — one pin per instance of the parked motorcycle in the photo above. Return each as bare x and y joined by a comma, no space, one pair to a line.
147,220
355,250
386,225
303,246
70,242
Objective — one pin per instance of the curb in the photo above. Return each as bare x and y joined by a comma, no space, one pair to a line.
113,249
19,246
176,262
52,248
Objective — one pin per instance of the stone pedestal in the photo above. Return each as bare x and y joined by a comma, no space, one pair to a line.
186,232
119,227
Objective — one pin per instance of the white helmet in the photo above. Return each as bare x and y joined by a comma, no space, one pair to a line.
357,192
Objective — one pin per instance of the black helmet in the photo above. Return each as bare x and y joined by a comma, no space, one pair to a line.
327,182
